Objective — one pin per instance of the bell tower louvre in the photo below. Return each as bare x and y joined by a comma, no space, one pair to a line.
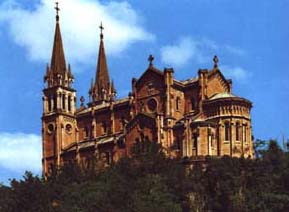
190,118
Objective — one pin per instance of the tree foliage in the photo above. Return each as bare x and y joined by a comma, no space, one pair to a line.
149,181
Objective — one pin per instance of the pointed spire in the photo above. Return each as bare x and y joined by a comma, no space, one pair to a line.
102,77
102,87
57,73
58,63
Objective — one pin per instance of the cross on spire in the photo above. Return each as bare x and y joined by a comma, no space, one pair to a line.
216,61
151,59
82,100
101,30
57,11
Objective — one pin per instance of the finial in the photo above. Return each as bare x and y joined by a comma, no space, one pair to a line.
151,59
112,87
101,30
82,100
57,11
216,60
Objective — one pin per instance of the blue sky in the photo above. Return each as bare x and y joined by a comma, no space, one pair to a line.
250,38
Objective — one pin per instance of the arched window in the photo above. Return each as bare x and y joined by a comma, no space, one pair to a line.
92,131
195,144
49,104
104,127
122,123
193,104
195,141
227,132
54,102
238,131
86,132
178,103
245,133
69,103
63,101
177,144
152,105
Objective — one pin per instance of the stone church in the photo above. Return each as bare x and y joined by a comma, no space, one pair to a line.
190,118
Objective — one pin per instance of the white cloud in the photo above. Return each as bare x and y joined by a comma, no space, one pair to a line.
237,73
180,53
197,50
20,152
79,19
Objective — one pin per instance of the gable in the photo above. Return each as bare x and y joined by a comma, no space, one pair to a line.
217,83
151,82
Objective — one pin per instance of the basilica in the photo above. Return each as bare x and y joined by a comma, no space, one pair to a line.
190,118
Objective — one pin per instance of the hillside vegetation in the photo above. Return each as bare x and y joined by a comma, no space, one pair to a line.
148,181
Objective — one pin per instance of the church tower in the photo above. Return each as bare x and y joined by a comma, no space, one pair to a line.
102,90
59,99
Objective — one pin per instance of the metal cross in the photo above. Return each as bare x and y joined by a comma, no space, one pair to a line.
101,27
101,30
151,59
216,60
57,11
56,8
82,100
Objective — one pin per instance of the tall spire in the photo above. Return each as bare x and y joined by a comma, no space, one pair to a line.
57,73
102,87
58,63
